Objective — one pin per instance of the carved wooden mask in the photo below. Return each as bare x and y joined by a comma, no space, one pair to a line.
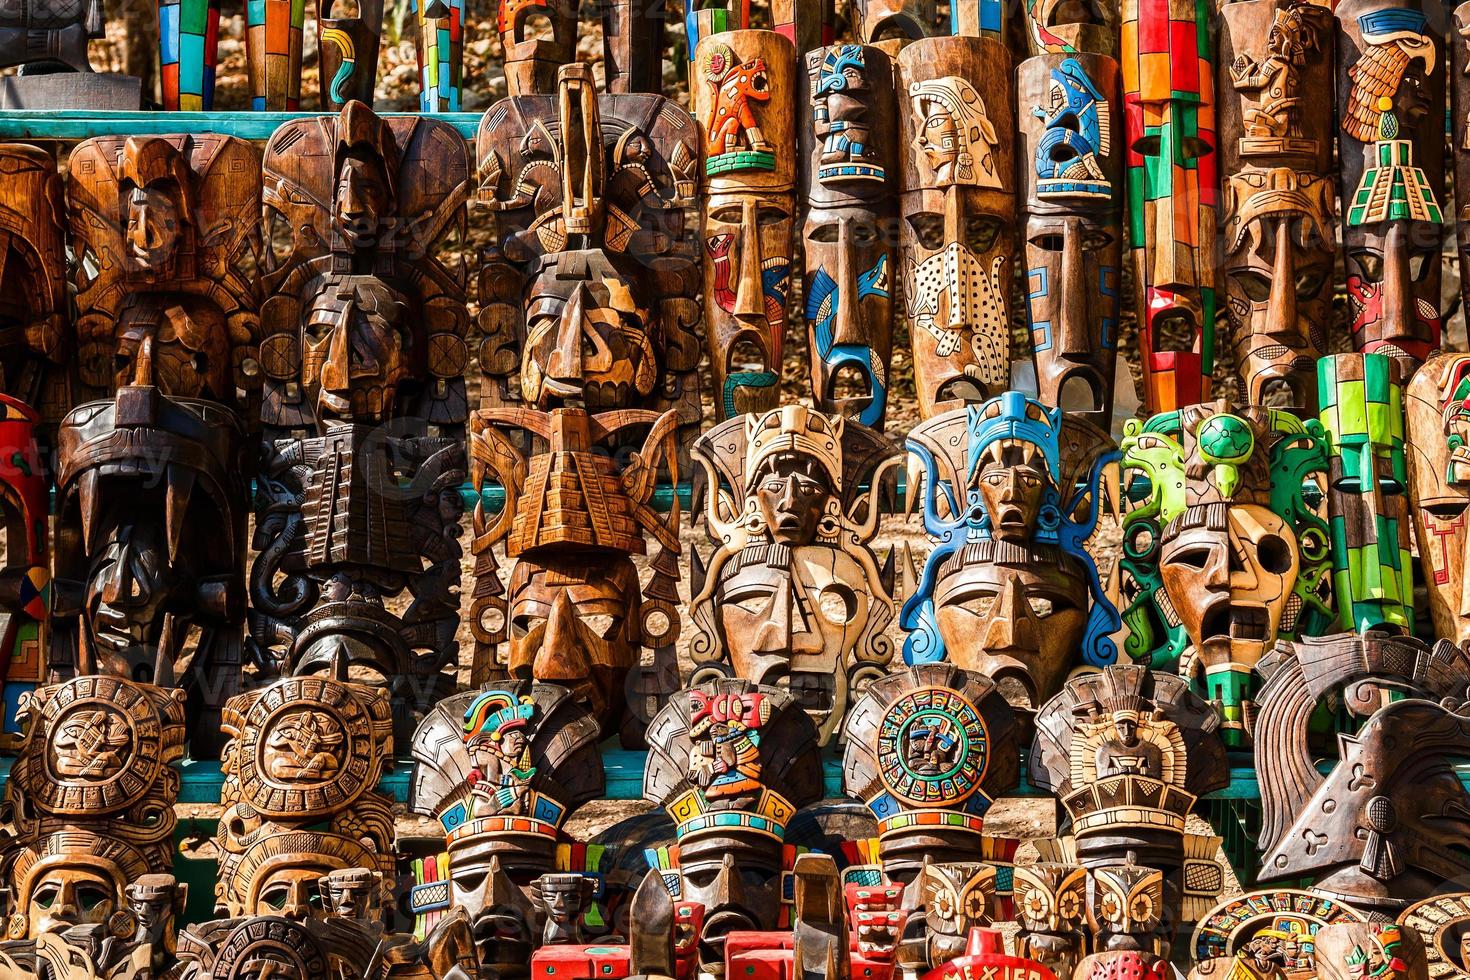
1391,107
1279,222
794,595
1437,443
896,22
532,58
850,151
33,306
1173,176
1051,905
1349,950
956,135
744,98
1127,908
1070,27
1072,177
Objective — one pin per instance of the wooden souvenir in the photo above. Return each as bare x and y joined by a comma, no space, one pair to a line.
984,955
816,945
1391,108
300,796
156,902
539,37
632,46
1264,934
1437,451
25,577
1383,951
188,53
1277,208
1371,831
705,17
172,226
1051,907
1128,908
1224,553
849,147
807,24
151,508
52,32
956,136
562,898
794,595
658,946
1372,568
501,769
928,750
273,41
278,946
93,794
731,762
949,901
352,893
1070,27
1459,69
745,93
348,48
876,916
1010,493
1172,168
441,53
896,22
34,311
1072,181
1443,925
1131,963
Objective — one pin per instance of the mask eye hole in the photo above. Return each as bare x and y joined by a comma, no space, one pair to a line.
1049,241
1274,554
928,229
1369,265
823,234
1256,287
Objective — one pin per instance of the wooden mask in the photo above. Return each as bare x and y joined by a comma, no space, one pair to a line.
1391,108
1051,904
633,46
539,37
851,177
949,900
171,300
1127,908
705,17
1173,177
1266,931
732,762
794,595
744,97
1070,27
1437,430
1348,950
348,47
94,784
897,22
1372,568
1072,179
928,750
273,41
1443,923
1277,212
959,205
1010,493
33,286
1223,553
25,577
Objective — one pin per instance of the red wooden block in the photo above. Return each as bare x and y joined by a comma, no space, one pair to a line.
581,962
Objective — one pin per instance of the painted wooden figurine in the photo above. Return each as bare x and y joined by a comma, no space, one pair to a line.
1391,109
849,149
745,93
957,136
37,330
1173,193
1277,210
1350,950
1263,935
348,49
1437,454
794,596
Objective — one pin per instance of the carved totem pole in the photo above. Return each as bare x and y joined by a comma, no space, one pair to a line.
273,33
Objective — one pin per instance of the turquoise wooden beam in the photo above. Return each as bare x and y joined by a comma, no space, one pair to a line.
74,125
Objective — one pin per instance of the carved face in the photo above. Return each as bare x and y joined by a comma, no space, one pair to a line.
747,275
792,495
153,908
187,348
1437,425
292,893
91,744
1012,496
363,201
70,896
956,898
1126,908
352,894
1051,902
155,225
357,349
128,584
563,897
1072,276
738,896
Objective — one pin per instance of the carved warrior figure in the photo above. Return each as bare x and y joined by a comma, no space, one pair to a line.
364,403
959,208
92,801
25,576
501,769
794,595
1071,135
1224,553
1168,88
1437,447
731,762
849,146
1391,831
1391,107
1277,212
744,98
348,46
169,228
1263,935
1011,493
662,940
37,332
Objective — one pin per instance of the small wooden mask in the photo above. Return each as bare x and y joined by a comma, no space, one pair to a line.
794,595
539,37
1069,27
1437,444
1348,950
1051,906
1168,89
1127,908
1279,222
1391,108
956,135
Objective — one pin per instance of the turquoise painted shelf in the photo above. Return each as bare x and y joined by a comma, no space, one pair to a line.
73,125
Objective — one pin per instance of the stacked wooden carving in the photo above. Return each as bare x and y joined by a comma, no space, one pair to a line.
247,383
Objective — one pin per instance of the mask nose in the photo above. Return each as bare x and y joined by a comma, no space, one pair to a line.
563,653
1071,329
1011,623
750,297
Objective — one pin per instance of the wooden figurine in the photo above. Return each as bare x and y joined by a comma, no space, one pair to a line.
1443,925
1264,935
816,945
1367,491
301,796
1168,90
172,226
273,40
1072,185
1391,109
731,762
928,750
1128,908
441,53
188,53
25,577
956,133
94,794
659,946
539,37
1384,951
1371,831
1437,454
1051,907
348,49
849,147
39,340
1224,552
984,955
151,507
794,595
1071,27
1011,490
744,99
1277,209
501,769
